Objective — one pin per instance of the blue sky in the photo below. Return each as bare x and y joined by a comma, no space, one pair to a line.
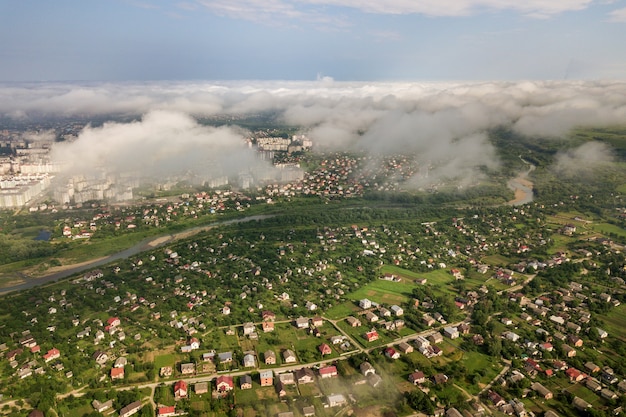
360,40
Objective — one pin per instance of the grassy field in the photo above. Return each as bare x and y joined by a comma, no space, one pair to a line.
165,360
405,274
384,292
607,228
615,322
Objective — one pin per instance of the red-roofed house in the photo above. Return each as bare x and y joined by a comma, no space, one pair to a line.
35,349
574,375
166,411
113,321
392,353
328,372
52,354
371,336
180,389
117,373
325,349
225,383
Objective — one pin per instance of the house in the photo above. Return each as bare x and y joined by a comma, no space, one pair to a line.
130,409
266,378
267,326
52,354
593,384
120,362
336,400
391,353
270,357
428,320
495,398
440,379
225,357
201,388
607,394
285,414
328,371
541,390
353,322
248,328
280,389
287,378
101,407
302,322
308,411
405,347
117,373
396,310
180,389
165,371
113,322
574,340
224,383
384,312
371,336
592,368
421,341
324,349
245,382
249,360
513,337
568,351
100,357
374,380
305,376
365,304
289,356
187,368
366,369
371,317
317,321
435,338
166,411
580,404
417,377
226,310
267,315
574,375
453,412
450,332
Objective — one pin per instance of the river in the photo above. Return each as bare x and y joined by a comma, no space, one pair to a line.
143,246
523,187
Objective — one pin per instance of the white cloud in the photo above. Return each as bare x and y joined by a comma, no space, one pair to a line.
618,15
262,9
442,123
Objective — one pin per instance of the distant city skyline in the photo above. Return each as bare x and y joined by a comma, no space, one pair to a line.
345,40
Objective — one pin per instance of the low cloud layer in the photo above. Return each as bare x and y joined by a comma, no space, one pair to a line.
441,124
583,160
161,144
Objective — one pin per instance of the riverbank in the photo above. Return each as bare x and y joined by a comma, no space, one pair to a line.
66,271
522,187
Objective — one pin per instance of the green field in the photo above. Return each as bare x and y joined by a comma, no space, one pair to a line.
615,322
384,292
165,360
607,228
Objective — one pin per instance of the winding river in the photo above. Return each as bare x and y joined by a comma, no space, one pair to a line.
144,245
523,187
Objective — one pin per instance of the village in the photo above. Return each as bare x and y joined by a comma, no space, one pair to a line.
469,315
